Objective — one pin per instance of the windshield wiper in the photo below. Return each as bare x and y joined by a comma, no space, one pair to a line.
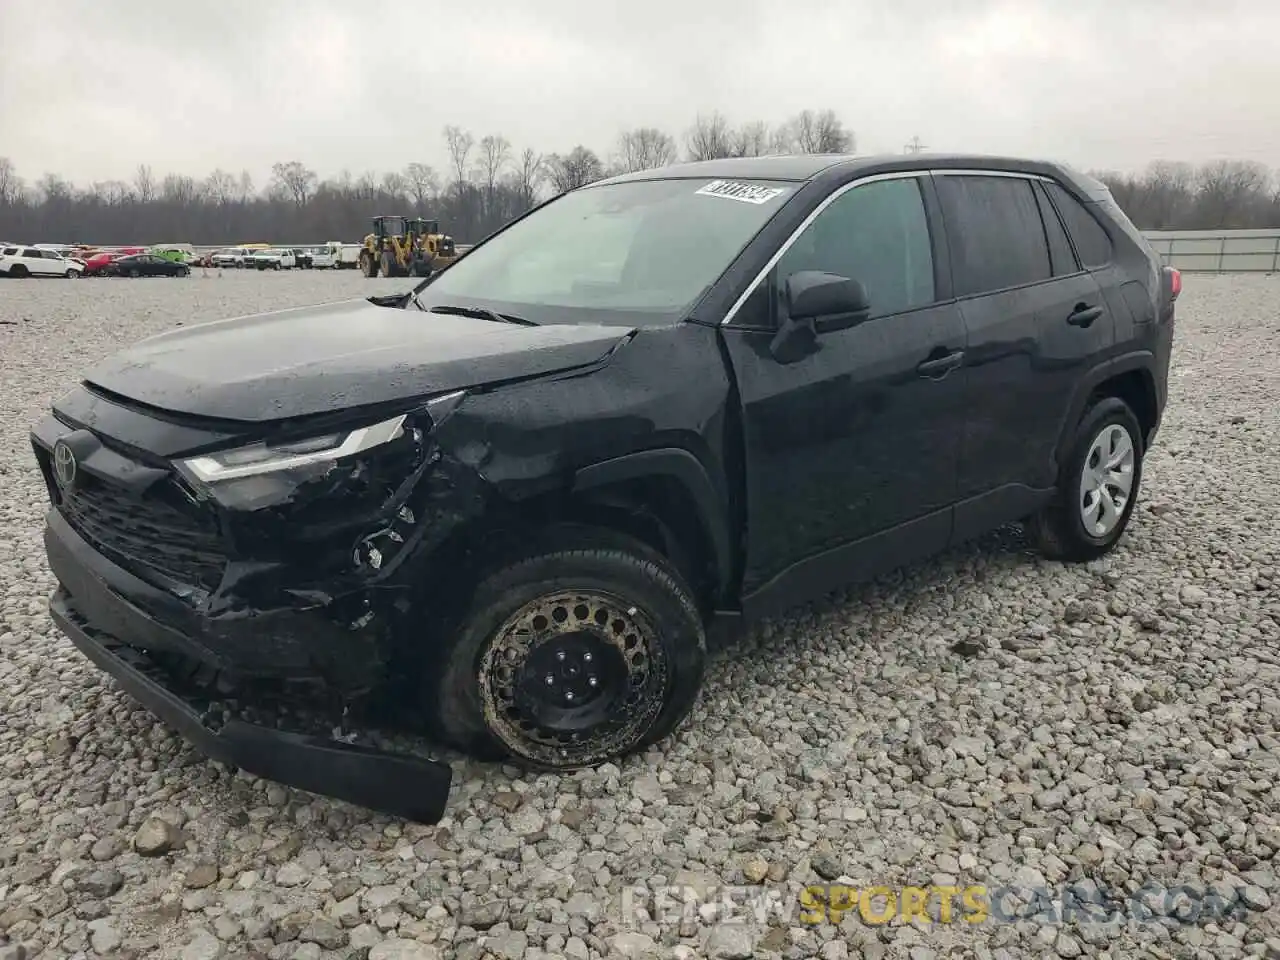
481,313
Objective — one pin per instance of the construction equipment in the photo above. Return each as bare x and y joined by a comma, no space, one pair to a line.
406,247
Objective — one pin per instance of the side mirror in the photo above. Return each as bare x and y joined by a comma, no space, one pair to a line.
831,301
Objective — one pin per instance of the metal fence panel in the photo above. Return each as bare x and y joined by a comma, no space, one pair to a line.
1218,251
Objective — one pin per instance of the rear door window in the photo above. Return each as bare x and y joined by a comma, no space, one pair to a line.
996,234
1061,258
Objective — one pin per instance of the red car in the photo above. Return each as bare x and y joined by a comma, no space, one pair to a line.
97,264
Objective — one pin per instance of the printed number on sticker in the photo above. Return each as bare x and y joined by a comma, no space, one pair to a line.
746,192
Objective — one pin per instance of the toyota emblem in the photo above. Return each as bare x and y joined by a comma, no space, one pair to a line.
64,464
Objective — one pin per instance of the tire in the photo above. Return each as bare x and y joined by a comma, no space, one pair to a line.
561,591
368,265
182,272
134,273
389,264
72,274
1059,530
275,266
18,271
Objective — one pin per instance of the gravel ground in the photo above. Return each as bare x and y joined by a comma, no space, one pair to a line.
982,719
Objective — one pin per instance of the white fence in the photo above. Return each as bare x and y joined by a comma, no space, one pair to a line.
1218,251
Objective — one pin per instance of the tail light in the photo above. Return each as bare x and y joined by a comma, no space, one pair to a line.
1175,282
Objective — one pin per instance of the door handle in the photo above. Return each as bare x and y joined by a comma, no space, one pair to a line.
939,367
1084,315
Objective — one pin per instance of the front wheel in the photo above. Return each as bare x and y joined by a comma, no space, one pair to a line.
574,655
182,272
1098,485
134,273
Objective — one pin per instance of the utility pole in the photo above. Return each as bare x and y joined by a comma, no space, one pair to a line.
915,146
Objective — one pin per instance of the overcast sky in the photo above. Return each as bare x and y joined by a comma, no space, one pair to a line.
91,89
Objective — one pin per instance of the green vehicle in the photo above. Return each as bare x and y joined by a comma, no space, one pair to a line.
178,254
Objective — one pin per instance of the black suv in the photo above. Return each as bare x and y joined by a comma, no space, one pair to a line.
522,492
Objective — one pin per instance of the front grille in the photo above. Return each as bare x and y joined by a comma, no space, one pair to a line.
144,534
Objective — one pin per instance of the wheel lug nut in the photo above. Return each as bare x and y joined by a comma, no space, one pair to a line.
550,680
559,654
586,658
592,681
568,695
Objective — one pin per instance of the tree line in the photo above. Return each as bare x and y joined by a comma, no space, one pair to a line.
486,181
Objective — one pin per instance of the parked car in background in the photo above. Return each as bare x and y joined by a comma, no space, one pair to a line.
146,265
275,258
21,261
97,264
303,257
232,257
346,256
322,258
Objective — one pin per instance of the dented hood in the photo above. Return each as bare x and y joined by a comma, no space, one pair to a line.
310,360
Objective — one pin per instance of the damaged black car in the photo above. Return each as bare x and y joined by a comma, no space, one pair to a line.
518,496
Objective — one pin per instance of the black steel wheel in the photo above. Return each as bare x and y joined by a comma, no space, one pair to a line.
570,657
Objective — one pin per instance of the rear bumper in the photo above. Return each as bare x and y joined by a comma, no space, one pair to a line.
396,784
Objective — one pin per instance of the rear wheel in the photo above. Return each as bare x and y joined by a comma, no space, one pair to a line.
1098,485
182,272
368,265
135,273
581,651
18,270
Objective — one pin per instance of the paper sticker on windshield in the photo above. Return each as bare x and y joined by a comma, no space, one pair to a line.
746,192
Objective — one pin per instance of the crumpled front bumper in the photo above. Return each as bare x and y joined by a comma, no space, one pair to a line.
397,784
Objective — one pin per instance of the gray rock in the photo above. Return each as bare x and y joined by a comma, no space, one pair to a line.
404,950
156,837
731,941
100,884
203,945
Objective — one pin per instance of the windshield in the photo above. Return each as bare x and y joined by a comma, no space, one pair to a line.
635,252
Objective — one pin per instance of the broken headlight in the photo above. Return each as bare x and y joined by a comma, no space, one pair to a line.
261,458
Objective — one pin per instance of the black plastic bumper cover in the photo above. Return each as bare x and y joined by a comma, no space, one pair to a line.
396,784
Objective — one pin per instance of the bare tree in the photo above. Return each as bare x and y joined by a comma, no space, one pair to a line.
752,139
495,153
709,138
11,185
820,132
294,180
424,182
530,171
459,143
55,188
116,192
1168,188
245,189
645,148
577,168
1227,189
144,184
395,185
220,187
179,189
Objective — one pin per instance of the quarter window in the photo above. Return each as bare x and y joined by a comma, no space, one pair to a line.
1092,242
876,233
997,236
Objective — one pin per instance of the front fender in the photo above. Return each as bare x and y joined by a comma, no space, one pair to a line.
684,468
